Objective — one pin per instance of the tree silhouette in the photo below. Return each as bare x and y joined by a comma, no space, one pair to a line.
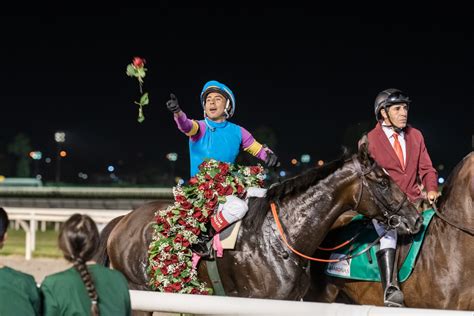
21,147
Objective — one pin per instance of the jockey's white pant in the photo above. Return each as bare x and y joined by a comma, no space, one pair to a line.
390,238
234,209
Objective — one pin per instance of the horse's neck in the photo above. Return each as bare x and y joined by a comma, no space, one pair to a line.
308,217
458,202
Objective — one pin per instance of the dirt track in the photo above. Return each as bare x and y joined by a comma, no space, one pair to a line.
37,267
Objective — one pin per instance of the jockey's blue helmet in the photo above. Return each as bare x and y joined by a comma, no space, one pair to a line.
216,86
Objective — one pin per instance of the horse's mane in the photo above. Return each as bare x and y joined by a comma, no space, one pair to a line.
258,207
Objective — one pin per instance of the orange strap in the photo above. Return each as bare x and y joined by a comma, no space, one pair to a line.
280,229
336,247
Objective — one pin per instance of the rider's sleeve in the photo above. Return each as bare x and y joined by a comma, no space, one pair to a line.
428,174
250,145
185,125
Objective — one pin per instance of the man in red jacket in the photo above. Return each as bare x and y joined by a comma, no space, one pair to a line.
400,149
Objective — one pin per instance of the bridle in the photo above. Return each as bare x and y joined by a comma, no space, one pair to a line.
391,214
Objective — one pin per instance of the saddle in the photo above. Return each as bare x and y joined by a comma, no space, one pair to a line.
365,267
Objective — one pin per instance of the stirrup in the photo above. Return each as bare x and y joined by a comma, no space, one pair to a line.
204,250
395,298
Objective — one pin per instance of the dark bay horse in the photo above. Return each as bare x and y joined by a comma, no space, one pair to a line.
443,276
261,266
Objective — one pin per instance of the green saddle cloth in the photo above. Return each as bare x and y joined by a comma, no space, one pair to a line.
360,268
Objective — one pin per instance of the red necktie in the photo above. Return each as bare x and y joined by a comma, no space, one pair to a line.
398,150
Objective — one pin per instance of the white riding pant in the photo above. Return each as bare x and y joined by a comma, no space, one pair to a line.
390,238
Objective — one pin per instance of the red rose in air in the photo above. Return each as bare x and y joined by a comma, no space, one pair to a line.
193,180
138,62
240,189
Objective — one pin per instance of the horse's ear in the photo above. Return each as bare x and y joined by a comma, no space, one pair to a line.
363,154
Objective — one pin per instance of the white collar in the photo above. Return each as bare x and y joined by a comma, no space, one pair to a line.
388,130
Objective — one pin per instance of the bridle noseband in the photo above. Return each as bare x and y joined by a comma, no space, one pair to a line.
391,214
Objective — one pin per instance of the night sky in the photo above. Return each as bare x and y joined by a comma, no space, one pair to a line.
309,79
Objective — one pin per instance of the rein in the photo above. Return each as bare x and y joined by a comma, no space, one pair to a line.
282,234
458,226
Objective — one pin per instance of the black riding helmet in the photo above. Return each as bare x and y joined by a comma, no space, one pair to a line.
387,98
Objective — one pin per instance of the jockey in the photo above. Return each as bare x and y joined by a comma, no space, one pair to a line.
215,137
400,149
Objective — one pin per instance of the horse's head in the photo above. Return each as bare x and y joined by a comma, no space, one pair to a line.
376,195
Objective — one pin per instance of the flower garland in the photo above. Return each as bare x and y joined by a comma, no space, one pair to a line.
177,227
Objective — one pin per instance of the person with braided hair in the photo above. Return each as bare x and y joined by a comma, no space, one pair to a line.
19,294
86,288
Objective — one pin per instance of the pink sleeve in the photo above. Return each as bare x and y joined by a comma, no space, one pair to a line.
184,124
248,140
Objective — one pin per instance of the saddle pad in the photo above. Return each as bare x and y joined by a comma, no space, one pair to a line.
360,267
229,235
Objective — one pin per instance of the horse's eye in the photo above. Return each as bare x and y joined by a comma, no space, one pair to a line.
384,182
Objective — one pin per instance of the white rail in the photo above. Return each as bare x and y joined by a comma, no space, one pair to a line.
28,219
223,305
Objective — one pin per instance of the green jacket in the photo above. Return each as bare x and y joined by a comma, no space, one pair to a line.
19,294
64,293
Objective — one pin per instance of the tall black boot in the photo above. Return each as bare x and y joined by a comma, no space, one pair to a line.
393,296
203,247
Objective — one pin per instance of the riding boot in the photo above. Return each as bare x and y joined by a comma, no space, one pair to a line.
393,296
203,247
